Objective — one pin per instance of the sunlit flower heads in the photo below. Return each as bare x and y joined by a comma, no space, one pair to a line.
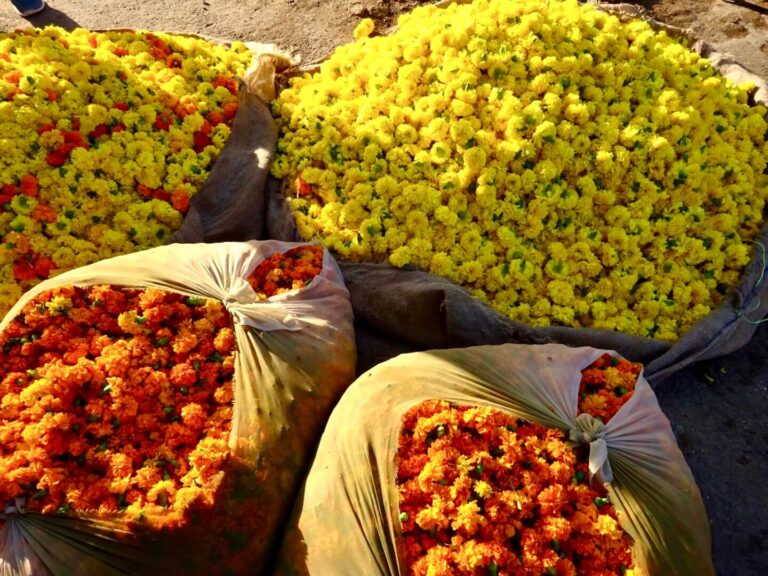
106,137
482,491
566,167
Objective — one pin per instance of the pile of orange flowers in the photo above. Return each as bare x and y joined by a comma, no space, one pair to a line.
116,400
285,272
482,492
606,385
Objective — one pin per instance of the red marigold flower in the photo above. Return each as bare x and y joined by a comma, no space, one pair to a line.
9,191
180,201
45,128
159,49
206,128
13,77
215,118
303,188
56,157
24,271
44,213
144,191
230,110
174,61
161,195
201,141
163,121
121,105
43,266
100,130
228,83
158,53
74,137
29,185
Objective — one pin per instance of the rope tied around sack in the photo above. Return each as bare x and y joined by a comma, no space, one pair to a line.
590,431
741,311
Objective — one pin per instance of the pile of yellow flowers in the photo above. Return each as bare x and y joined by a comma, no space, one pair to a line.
104,137
566,167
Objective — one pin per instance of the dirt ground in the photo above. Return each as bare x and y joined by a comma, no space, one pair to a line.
739,27
718,408
314,27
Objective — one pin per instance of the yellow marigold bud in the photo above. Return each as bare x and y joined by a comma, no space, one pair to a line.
364,28
560,292
400,257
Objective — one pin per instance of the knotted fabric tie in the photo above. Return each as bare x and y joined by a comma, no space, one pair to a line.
18,506
588,430
270,315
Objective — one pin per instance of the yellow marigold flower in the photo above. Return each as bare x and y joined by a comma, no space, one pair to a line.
560,292
482,489
400,257
59,305
468,519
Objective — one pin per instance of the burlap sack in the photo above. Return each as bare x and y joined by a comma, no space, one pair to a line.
409,310
230,205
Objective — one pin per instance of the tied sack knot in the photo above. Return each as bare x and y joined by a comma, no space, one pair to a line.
17,506
238,292
586,430
590,431
241,302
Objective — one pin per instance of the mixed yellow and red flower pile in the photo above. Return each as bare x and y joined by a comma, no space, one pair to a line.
116,400
482,492
566,167
285,272
106,137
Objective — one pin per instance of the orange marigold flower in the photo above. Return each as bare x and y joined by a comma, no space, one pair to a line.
183,375
180,201
224,341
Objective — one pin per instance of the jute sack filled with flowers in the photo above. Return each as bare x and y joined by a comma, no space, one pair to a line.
504,460
586,175
158,409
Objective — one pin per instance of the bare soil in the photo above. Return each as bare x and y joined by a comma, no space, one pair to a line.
314,27
738,27
718,408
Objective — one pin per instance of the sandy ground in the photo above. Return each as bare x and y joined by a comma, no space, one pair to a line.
718,408
313,27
